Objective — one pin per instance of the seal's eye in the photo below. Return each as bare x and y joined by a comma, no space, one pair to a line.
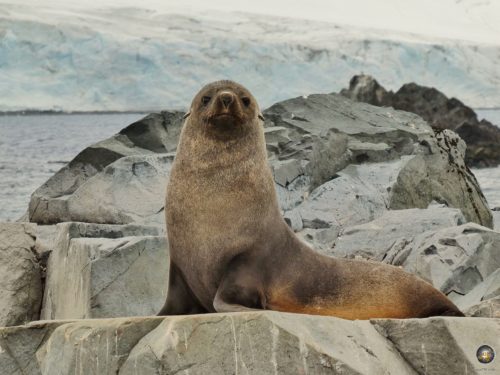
205,100
246,101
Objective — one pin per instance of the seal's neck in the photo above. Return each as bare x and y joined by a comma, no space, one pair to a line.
200,151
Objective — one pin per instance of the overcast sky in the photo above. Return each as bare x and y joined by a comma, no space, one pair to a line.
475,20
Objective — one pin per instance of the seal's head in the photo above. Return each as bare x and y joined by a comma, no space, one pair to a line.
224,109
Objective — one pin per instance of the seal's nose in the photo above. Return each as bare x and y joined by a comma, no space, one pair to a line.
226,98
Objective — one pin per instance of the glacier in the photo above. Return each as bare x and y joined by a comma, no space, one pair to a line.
139,59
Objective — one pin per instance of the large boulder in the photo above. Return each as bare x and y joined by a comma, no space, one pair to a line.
57,199
250,343
482,137
20,274
97,271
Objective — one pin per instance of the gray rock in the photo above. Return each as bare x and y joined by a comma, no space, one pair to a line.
440,112
333,135
322,239
264,343
45,235
443,177
276,138
96,347
156,133
293,194
454,259
358,194
19,346
483,291
395,228
366,89
20,276
249,343
496,219
286,171
489,308
437,346
130,190
105,271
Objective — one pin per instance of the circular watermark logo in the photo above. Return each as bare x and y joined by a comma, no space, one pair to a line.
485,354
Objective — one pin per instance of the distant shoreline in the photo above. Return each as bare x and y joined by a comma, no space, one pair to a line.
30,112
51,112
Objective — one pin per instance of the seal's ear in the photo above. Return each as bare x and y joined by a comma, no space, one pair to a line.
261,116
186,115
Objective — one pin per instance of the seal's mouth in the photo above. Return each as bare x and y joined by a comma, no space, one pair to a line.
225,120
224,116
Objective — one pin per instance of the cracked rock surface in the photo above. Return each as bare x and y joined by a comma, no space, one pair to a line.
248,343
102,270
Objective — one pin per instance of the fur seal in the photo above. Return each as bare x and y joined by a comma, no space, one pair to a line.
230,248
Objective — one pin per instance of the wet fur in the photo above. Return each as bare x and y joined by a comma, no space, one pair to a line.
230,248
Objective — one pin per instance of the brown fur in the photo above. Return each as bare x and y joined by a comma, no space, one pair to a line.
230,248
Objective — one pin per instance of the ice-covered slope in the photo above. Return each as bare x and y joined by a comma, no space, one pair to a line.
73,58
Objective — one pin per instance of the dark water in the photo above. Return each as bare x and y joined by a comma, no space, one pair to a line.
34,147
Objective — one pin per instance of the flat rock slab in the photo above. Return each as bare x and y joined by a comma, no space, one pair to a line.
248,343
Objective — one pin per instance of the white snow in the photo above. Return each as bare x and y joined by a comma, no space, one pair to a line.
113,55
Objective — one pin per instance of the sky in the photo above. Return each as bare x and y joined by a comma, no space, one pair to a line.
471,20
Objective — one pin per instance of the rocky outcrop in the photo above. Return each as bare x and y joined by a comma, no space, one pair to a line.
249,343
20,275
317,145
354,162
482,137
106,271
352,179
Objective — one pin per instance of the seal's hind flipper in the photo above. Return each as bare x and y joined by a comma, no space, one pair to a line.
239,291
453,313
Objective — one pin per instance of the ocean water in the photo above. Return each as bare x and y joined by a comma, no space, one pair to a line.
34,147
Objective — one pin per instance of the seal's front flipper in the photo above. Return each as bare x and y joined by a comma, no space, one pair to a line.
180,299
239,293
